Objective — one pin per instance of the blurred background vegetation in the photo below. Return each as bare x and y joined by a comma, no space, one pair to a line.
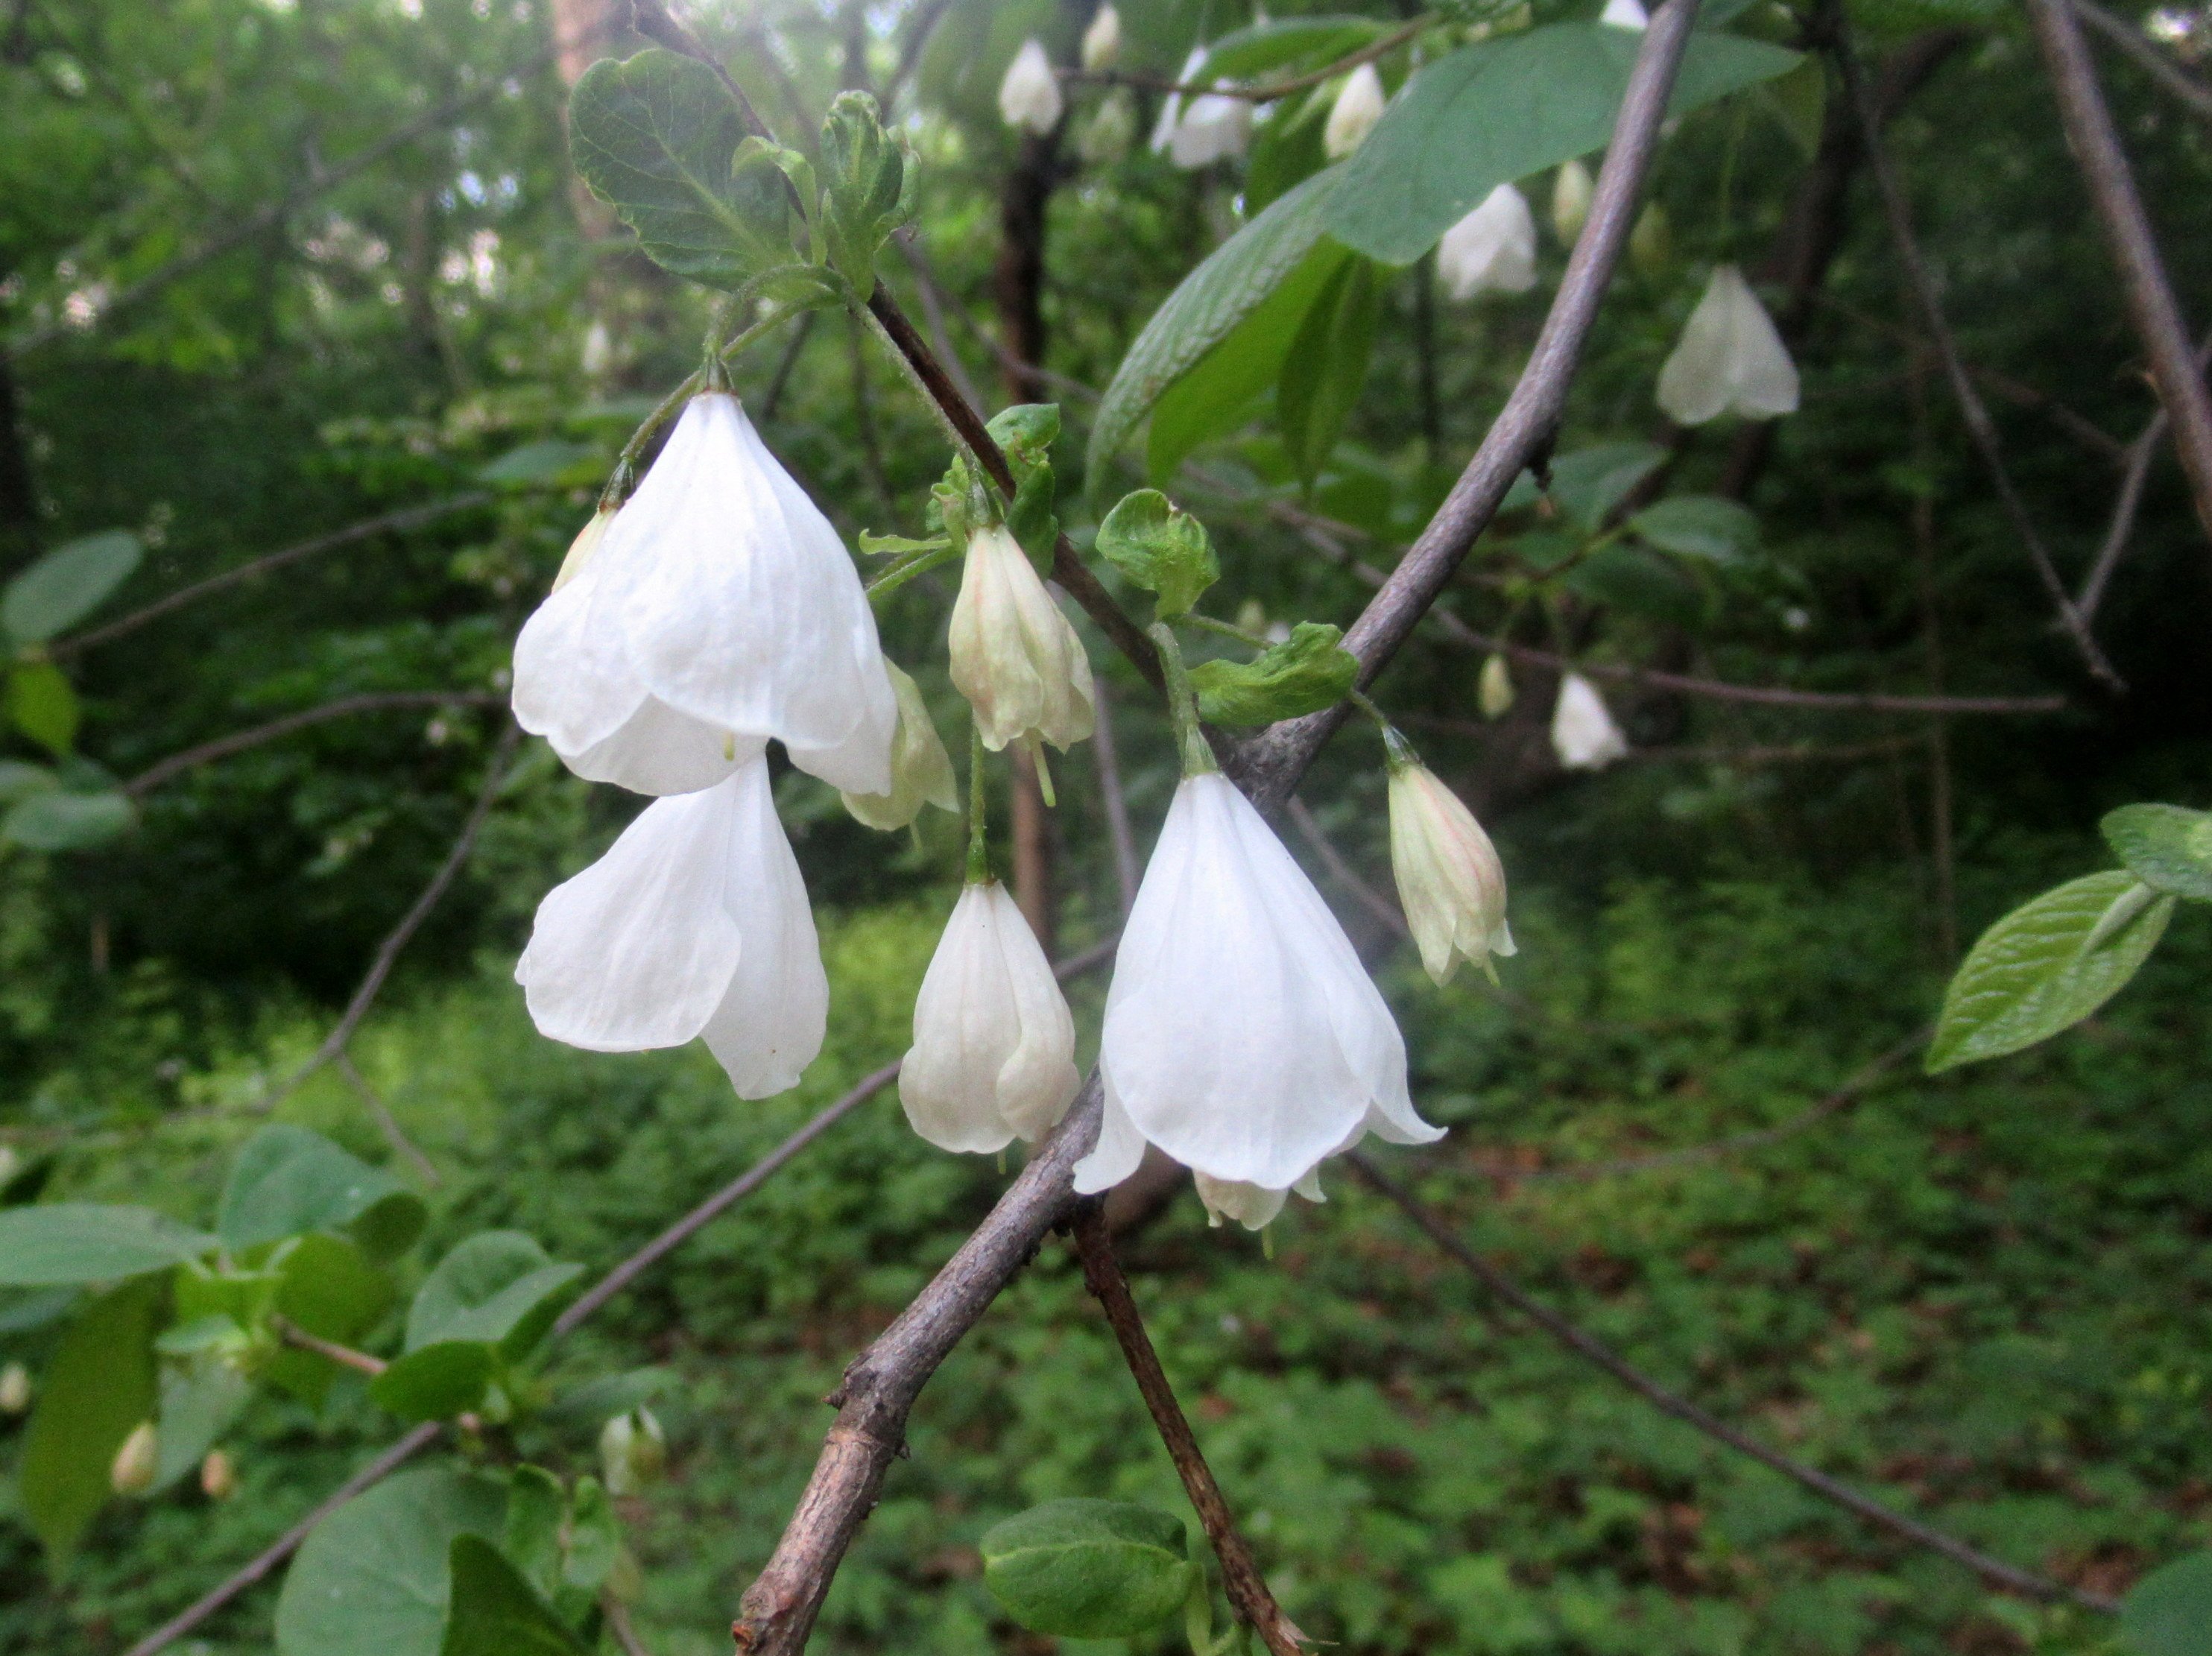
272,269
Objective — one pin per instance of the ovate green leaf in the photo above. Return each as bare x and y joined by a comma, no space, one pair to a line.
498,1287
2169,1612
67,585
201,1400
1088,1569
495,1612
437,1381
374,1580
287,1181
1326,366
1160,547
41,705
1699,526
58,820
99,1386
2165,847
61,1243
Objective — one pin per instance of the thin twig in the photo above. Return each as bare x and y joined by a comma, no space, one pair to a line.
1241,1579
386,1123
1127,871
778,1609
238,741
785,364
1980,428
386,523
616,1616
1369,898
932,313
2143,282
1995,1571
344,1355
2170,75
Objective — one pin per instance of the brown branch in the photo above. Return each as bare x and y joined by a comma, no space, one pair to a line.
386,1123
2170,75
1241,1579
778,1609
223,747
1995,1571
387,523
1980,428
344,1355
2149,295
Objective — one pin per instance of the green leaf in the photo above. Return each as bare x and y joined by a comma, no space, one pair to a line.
1629,578
1225,289
1030,519
877,546
2169,1612
1088,1569
67,585
328,1288
1026,431
1304,674
2047,965
95,1392
1326,366
1160,547
498,1287
596,1401
68,822
60,1243
594,1538
374,1579
536,1506
1288,147
549,463
2168,848
1588,483
1500,109
865,189
288,1181
1799,100
658,136
20,781
495,1612
200,1401
42,705
1699,526
1246,53
437,1381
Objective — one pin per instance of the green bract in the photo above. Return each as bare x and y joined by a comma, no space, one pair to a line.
1304,674
867,188
1160,547
1089,1570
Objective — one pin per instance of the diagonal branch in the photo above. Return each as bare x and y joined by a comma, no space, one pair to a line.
2135,474
1240,1576
1980,428
2170,75
1586,1345
254,736
778,1610
2149,295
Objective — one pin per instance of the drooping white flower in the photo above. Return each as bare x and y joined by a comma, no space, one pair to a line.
921,771
1102,41
1584,734
1015,656
1450,882
1028,97
993,1053
1729,357
1242,1036
1214,127
695,923
1171,115
1493,249
1571,190
717,608
1358,105
1624,13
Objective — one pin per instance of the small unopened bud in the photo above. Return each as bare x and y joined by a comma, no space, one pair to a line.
1102,41
1570,201
218,1478
14,1389
1015,657
136,1463
633,1453
1651,243
1450,882
583,549
1355,112
1583,733
1028,97
1494,692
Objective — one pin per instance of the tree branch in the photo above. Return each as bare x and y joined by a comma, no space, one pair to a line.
2137,457
2170,75
1240,1577
2157,317
1995,1571
223,747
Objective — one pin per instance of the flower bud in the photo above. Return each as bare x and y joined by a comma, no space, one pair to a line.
1584,734
1102,41
1358,105
1730,357
1111,131
1029,98
1015,657
1494,691
136,1462
1651,243
633,1453
1450,882
218,1478
584,548
921,771
1570,201
14,1389
1493,249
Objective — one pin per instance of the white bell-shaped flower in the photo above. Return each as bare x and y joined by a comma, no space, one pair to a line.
696,922
1242,1036
1015,656
1213,127
1571,191
1102,41
1624,13
1028,97
1729,357
921,771
1358,105
717,608
1450,882
993,1053
1171,115
1493,249
1584,734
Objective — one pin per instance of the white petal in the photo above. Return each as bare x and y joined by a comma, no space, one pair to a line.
1493,249
660,751
1584,734
637,949
1102,41
1119,1150
1762,380
1624,13
1693,382
769,1026
1358,105
1247,1204
571,684
1214,128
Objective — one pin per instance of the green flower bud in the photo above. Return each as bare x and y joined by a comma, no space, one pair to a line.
633,1453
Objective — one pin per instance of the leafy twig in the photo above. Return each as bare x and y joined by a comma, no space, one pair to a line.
223,747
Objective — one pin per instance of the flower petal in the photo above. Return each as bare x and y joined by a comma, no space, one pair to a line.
1119,1150
768,1027
660,751
572,685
